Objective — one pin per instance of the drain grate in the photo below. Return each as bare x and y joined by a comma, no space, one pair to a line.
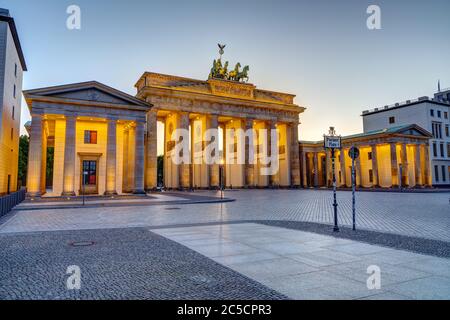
82,243
172,208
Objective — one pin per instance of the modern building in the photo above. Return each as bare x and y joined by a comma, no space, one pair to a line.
105,141
432,114
12,66
398,156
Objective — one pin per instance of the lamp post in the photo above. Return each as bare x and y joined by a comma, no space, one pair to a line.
332,141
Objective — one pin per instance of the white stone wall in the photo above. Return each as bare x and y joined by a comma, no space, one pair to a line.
9,147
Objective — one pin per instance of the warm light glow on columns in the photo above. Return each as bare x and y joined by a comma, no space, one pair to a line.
316,169
304,169
69,157
151,156
139,159
274,180
343,167
376,178
294,155
418,165
214,176
248,167
111,154
394,165
35,157
405,171
184,168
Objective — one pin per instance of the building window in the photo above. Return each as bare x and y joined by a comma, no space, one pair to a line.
90,137
434,149
436,128
14,92
370,175
432,112
12,133
391,120
15,70
444,174
448,150
439,113
436,173
13,112
447,133
445,114
442,150
369,156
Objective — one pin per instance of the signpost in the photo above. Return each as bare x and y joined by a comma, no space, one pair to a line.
353,153
331,141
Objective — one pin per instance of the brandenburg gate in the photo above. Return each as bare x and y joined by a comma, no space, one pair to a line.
221,103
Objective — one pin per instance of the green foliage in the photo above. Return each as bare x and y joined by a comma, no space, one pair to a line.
160,170
24,142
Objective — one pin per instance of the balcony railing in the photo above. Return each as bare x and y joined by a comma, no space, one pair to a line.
9,201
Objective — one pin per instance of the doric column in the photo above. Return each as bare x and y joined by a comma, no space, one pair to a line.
343,168
316,169
69,157
394,165
358,172
376,178
125,171
139,158
328,169
151,175
417,165
184,168
295,156
405,169
214,175
35,157
111,153
249,167
427,173
304,169
274,180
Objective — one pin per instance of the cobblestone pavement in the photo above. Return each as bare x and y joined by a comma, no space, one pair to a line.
424,215
131,263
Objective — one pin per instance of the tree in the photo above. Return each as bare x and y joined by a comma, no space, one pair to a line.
24,142
160,170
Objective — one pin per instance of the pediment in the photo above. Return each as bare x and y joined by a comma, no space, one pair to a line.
90,94
92,91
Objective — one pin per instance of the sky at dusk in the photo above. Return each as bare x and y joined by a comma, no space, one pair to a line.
322,51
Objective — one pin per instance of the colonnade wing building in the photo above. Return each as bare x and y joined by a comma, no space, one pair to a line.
105,141
388,158
97,134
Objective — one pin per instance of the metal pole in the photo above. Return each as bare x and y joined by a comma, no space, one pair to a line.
353,195
83,185
335,205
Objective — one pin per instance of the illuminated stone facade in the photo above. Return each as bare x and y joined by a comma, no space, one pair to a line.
95,130
197,105
105,141
388,158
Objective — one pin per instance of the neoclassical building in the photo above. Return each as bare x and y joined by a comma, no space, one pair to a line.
105,141
97,134
197,106
388,158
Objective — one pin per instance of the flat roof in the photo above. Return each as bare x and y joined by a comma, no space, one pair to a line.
403,105
12,27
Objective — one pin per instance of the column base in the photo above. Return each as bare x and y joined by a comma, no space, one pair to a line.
111,193
37,194
68,194
139,192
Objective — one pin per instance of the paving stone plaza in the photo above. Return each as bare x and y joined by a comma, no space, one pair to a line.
257,247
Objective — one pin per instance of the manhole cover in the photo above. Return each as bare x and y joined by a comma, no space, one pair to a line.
82,243
174,208
201,279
